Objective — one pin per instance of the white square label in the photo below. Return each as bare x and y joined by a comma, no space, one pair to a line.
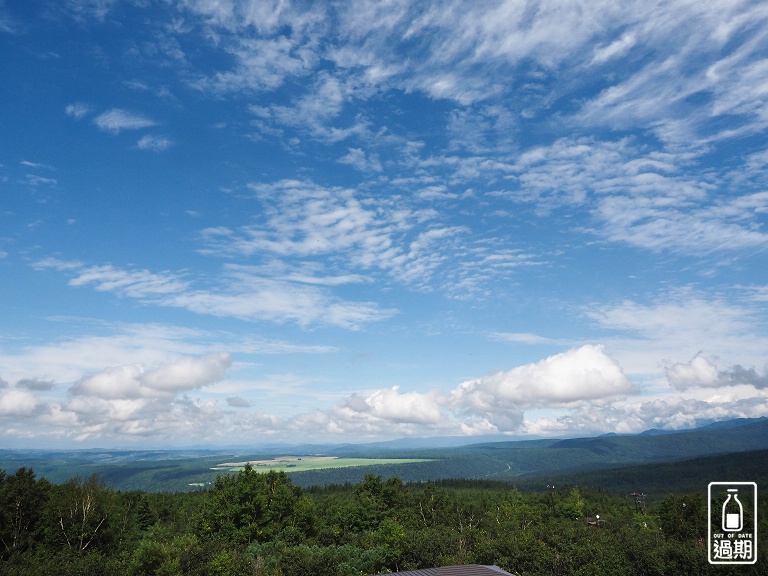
732,510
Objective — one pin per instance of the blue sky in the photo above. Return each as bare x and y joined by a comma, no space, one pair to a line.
241,221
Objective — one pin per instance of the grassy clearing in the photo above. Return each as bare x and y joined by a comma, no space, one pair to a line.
303,463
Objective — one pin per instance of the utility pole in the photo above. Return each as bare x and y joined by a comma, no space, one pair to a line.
552,496
639,501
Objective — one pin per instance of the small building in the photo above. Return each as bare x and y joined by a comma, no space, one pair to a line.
464,570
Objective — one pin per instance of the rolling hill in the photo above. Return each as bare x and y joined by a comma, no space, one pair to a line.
609,459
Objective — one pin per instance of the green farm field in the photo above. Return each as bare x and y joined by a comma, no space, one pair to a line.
305,463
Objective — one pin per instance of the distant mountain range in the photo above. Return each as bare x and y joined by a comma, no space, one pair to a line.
518,461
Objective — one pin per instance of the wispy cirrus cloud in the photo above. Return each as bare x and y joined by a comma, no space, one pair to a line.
78,110
710,58
242,293
87,9
315,111
116,120
364,236
107,278
362,161
263,64
69,358
154,142
648,199
643,334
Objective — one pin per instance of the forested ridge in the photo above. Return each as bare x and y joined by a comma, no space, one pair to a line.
578,460
253,523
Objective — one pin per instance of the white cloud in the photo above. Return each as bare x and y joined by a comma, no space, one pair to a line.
17,403
395,406
638,414
364,235
521,338
253,297
242,293
30,164
133,401
69,359
266,16
701,373
305,219
357,158
315,112
154,143
262,64
7,24
698,372
494,403
126,402
683,322
376,416
470,53
134,283
77,110
651,200
97,9
35,180
35,385
584,373
117,120
615,49
237,402
135,381
710,53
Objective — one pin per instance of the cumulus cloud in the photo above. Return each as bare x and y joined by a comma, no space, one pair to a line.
392,405
698,372
585,373
188,373
135,381
501,398
565,393
701,373
638,414
491,404
740,375
18,403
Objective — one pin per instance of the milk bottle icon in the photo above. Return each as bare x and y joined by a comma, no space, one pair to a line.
733,513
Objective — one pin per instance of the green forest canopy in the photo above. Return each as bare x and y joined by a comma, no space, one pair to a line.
262,523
